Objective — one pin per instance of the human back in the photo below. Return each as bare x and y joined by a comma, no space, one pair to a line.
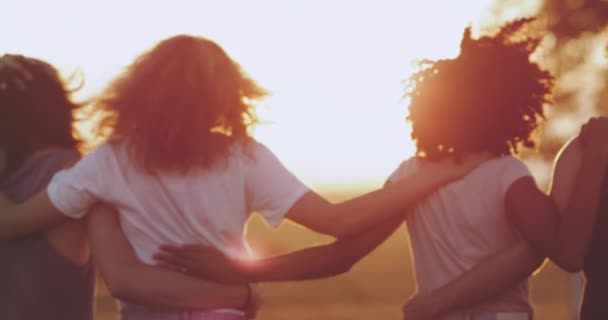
491,100
463,223
208,206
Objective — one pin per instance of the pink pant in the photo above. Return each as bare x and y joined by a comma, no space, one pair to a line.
134,312
489,316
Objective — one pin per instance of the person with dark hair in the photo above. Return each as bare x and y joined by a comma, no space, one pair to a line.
45,275
488,100
559,225
180,166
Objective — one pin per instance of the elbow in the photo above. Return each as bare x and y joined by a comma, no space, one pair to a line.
341,268
570,261
572,267
331,271
117,282
343,265
570,264
536,262
117,288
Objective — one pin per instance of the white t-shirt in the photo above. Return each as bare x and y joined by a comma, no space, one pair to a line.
459,225
207,207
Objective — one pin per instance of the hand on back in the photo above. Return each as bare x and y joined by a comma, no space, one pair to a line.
458,168
201,261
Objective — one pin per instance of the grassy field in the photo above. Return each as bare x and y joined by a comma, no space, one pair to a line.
375,289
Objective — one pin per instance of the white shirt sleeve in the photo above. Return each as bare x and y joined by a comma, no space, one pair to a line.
271,189
513,170
405,169
73,191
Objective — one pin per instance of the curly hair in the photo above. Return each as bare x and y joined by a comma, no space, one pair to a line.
36,110
488,99
179,106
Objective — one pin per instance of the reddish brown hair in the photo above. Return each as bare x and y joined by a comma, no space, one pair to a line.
180,105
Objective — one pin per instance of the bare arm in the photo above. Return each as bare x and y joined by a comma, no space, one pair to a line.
34,215
131,280
577,180
324,261
357,214
310,263
486,280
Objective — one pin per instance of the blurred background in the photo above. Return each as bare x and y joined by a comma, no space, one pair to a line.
336,116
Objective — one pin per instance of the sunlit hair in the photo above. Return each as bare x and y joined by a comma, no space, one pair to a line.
179,106
488,99
36,110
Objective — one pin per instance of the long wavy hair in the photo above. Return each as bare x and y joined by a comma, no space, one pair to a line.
179,106
488,99
36,109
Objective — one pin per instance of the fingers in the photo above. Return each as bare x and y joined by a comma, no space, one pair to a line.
191,251
170,267
175,263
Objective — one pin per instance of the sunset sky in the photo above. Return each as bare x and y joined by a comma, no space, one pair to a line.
335,68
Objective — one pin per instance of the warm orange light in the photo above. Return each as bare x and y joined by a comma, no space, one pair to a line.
335,68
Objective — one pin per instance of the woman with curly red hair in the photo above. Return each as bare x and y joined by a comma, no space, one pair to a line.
180,167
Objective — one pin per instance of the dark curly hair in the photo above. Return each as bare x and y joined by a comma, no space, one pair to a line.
488,99
36,111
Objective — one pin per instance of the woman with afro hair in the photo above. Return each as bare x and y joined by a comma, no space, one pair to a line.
490,100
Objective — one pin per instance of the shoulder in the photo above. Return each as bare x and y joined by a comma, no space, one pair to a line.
509,161
104,151
405,169
510,165
55,159
565,169
253,150
252,145
570,155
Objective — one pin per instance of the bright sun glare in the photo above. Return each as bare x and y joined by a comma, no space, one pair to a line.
335,68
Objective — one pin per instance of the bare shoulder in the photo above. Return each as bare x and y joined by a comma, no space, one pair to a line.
569,157
565,168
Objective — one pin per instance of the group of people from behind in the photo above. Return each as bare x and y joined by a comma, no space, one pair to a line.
160,207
